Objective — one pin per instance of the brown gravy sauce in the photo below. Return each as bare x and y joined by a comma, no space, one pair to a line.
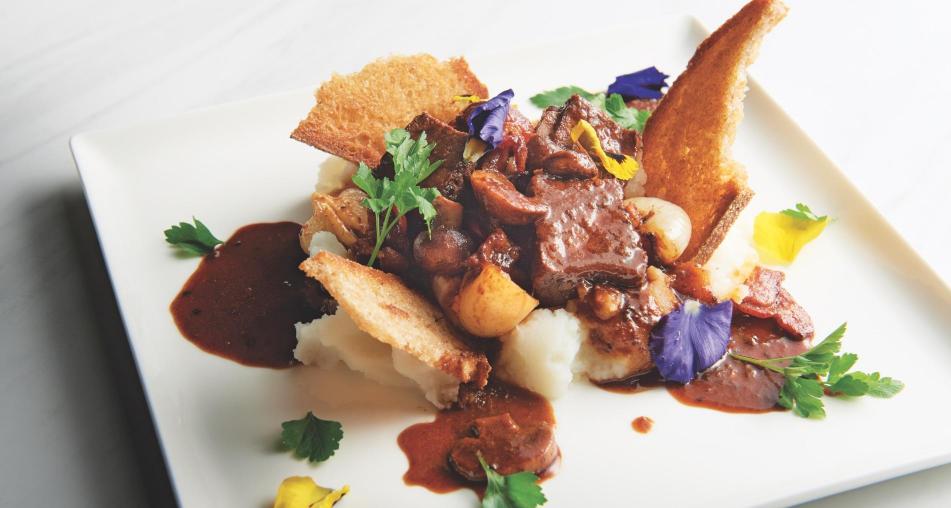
642,424
427,445
243,299
731,386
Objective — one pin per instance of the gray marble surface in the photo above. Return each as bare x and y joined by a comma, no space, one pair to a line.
868,80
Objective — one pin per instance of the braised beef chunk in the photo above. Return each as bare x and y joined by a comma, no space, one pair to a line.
450,144
501,200
505,445
496,249
768,299
587,235
553,134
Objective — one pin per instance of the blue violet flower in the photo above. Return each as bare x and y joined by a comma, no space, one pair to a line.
691,339
643,84
487,120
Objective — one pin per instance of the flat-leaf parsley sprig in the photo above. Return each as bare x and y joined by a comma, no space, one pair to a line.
519,490
802,212
195,239
821,371
411,166
312,438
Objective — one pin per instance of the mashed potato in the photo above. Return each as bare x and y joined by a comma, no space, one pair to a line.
326,241
335,338
733,261
539,353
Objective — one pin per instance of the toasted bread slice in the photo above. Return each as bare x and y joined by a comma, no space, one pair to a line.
354,111
688,139
382,306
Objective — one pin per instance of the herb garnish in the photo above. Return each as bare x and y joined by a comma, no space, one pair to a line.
411,166
518,490
312,438
803,212
613,105
195,239
819,372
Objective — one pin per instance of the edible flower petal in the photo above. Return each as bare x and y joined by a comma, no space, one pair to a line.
622,166
691,339
303,492
643,84
780,236
487,120
466,98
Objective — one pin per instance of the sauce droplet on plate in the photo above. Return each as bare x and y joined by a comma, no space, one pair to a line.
642,424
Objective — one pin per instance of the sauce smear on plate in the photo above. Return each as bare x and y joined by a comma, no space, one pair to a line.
427,445
738,387
244,298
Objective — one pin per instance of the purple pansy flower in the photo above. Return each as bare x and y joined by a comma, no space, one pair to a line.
643,84
487,120
691,339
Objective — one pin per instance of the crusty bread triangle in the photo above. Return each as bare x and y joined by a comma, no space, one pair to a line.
354,111
688,139
382,306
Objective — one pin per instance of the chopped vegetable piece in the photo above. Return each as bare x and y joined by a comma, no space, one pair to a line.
312,438
621,166
780,236
691,339
411,166
819,372
643,84
519,490
303,492
486,121
195,239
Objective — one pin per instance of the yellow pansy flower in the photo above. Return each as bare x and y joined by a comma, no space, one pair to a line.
303,492
621,166
780,236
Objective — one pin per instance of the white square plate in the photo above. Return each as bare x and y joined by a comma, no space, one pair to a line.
219,421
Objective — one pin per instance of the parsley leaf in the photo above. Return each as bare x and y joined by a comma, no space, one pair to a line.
411,166
195,239
519,490
627,117
803,212
613,105
559,96
312,438
821,371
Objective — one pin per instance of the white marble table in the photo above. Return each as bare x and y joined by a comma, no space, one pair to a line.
868,80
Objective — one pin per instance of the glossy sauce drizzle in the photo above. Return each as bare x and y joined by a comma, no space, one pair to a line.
731,386
243,300
427,445
738,387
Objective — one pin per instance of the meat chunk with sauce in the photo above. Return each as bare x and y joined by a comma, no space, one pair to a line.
506,446
768,299
587,235
451,176
553,150
618,325
501,200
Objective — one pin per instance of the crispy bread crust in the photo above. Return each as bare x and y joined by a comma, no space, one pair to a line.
687,140
354,111
382,306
